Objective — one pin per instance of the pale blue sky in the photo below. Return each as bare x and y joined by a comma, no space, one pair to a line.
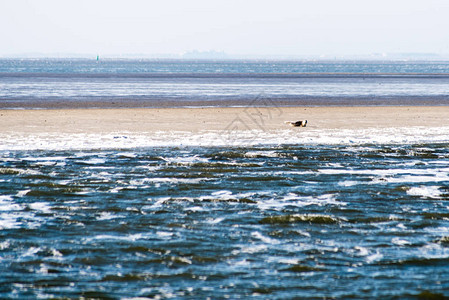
278,27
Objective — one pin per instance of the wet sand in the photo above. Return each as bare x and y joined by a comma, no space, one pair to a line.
146,120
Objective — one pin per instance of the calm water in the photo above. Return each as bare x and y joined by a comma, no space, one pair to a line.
135,66
268,222
134,83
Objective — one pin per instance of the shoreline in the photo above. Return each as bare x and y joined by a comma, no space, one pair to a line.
271,101
148,127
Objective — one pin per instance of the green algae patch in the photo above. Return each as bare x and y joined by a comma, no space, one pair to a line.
443,240
305,218
431,296
303,269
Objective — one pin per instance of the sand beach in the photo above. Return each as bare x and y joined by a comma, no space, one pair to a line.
60,129
102,121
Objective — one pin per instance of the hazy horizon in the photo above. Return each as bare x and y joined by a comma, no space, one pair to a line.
225,29
224,56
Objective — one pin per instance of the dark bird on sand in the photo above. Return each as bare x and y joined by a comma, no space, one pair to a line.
297,123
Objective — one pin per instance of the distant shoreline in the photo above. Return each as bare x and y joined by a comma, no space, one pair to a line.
374,57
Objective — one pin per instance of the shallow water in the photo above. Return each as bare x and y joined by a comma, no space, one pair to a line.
66,83
154,66
361,221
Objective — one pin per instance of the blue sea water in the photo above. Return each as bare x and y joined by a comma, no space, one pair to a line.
362,218
148,83
265,222
136,66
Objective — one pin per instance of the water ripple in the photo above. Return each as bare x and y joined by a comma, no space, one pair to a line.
268,221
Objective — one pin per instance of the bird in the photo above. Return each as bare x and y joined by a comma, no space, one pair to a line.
297,123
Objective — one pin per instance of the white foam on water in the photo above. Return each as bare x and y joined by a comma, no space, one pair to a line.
361,251
292,199
9,221
157,204
20,218
150,168
4,245
16,217
172,180
312,136
441,162
214,220
131,237
115,190
348,183
5,198
45,163
280,173
106,216
222,193
375,257
45,158
41,206
288,261
94,161
7,204
185,160
32,251
383,176
262,238
141,182
303,233
425,192
195,208
56,253
254,154
253,248
436,176
441,231
127,154
164,234
433,251
400,242
386,172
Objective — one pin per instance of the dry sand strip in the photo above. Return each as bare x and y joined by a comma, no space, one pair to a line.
99,121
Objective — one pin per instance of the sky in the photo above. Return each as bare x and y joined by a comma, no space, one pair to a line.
243,27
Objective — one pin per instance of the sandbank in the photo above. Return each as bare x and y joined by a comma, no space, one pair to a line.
203,119
61,129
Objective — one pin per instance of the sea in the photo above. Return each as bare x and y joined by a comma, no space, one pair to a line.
349,214
66,83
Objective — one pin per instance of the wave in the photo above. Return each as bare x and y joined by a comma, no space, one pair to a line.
217,138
